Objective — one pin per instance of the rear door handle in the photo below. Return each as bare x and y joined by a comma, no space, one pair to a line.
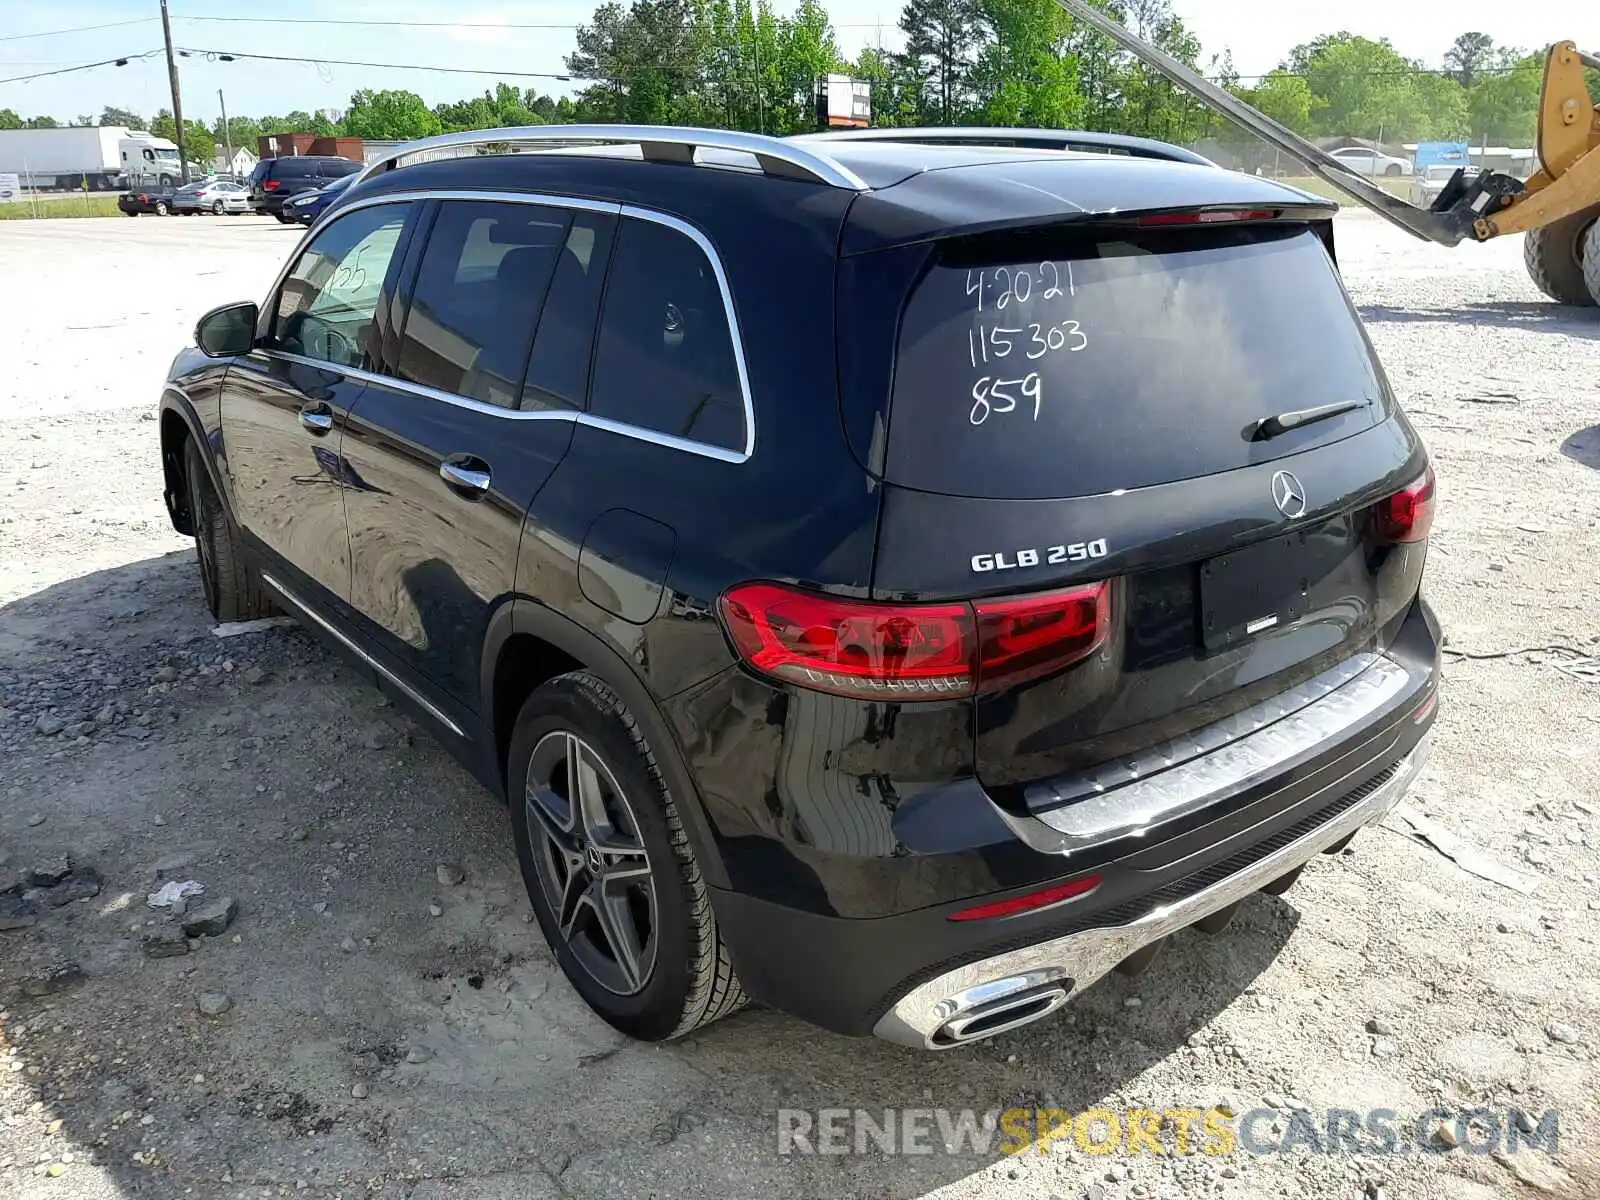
465,473
317,417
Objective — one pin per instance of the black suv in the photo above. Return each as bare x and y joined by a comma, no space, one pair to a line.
276,180
897,582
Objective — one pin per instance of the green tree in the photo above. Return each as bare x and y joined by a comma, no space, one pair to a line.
124,117
9,119
1285,98
1503,103
241,131
199,147
942,41
1022,75
41,123
644,64
1365,88
389,115
1467,55
896,90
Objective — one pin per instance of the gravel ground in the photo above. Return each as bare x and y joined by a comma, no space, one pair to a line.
365,1027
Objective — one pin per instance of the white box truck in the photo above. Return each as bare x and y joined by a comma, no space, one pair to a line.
100,158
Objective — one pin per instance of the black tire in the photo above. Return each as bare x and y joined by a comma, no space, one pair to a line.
1591,262
233,591
216,208
161,208
1393,170
690,982
1555,259
283,220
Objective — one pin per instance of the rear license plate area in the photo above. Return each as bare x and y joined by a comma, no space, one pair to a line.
1257,588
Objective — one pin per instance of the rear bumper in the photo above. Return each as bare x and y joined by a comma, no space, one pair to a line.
1020,986
898,974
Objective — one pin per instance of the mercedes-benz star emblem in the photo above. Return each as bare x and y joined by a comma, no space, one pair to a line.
1288,495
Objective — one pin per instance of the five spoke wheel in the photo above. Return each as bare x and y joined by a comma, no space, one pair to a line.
591,862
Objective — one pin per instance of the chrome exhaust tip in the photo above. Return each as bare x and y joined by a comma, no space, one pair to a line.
992,1008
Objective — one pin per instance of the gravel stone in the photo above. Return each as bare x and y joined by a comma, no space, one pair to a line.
211,919
1380,1027
449,874
35,820
213,1004
165,943
1559,1031
48,872
418,1054
48,725
52,980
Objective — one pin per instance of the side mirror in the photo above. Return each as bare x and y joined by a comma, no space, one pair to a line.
228,330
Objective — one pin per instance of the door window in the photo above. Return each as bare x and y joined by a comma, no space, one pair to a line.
558,368
665,359
479,291
326,306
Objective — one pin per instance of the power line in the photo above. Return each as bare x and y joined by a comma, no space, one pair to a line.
389,24
120,61
226,55
18,37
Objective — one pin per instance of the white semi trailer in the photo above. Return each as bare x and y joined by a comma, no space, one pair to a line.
100,158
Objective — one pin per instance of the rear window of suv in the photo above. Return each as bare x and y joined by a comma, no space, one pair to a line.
1050,366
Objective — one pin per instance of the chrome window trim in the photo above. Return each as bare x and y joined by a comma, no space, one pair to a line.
301,607
622,428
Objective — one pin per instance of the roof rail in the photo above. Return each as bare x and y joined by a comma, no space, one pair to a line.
1037,139
778,157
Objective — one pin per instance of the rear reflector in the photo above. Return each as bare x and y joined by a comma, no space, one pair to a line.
1407,516
1426,709
271,185
869,650
1029,902
1209,217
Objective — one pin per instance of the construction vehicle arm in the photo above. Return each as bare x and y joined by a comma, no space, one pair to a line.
1467,207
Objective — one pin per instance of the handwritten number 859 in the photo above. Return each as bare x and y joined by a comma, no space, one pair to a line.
990,395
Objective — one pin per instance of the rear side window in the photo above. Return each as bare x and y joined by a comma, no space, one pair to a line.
337,168
665,357
1053,367
479,290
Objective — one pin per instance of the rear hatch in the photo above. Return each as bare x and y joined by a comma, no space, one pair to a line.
1094,403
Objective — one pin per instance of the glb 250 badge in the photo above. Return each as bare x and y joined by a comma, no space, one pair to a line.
1010,560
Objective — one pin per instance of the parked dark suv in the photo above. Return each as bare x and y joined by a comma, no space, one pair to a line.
897,582
276,180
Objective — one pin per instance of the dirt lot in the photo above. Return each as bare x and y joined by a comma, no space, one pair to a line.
390,1034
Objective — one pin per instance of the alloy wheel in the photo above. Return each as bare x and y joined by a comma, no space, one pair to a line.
591,861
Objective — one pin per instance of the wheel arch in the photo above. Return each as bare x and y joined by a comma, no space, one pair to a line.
180,424
527,643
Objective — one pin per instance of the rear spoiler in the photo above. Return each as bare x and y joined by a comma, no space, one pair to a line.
1466,201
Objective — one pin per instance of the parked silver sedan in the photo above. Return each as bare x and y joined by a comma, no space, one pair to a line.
211,195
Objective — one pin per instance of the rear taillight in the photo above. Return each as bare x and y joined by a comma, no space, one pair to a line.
271,185
869,650
1407,515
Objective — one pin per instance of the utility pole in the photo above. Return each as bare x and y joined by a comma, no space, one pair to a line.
177,98
227,139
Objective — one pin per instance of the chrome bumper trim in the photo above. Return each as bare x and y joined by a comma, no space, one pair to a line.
1079,959
1126,798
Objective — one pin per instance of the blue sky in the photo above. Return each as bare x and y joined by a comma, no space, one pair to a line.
1258,33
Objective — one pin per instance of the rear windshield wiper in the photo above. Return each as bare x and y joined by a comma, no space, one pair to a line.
1271,427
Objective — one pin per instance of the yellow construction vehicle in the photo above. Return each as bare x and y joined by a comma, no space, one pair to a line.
1556,207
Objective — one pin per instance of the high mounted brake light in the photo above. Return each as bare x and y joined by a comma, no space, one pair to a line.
1213,216
870,650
